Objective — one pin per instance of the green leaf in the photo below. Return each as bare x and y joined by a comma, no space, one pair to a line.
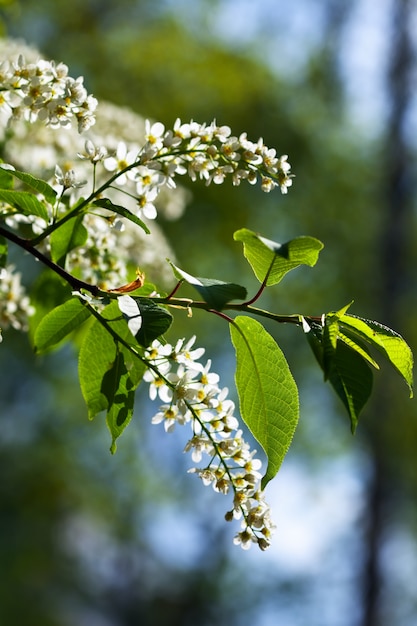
386,340
105,203
6,179
109,373
344,366
97,355
149,288
113,317
267,391
58,323
25,203
331,330
359,347
155,321
273,260
48,292
215,292
145,319
3,251
351,378
38,185
119,388
314,334
353,341
336,315
67,237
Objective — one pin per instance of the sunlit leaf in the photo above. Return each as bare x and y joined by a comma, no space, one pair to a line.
387,341
67,237
330,334
48,292
58,323
24,202
359,347
267,391
97,355
37,184
273,260
6,179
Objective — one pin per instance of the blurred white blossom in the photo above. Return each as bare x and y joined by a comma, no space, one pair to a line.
15,307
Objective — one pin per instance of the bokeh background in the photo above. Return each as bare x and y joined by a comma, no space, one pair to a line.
88,539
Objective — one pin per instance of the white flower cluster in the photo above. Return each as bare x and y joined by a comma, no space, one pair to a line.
211,153
15,306
43,90
143,157
190,394
114,248
207,152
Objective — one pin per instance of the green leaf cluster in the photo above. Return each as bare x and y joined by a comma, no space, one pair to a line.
110,359
342,344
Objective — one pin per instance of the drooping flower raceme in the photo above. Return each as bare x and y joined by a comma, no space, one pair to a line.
190,394
206,152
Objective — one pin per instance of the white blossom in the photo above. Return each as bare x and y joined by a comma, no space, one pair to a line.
68,179
190,394
43,90
123,157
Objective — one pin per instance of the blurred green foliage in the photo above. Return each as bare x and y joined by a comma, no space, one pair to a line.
145,55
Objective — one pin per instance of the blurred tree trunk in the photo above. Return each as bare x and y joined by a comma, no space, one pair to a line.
392,257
